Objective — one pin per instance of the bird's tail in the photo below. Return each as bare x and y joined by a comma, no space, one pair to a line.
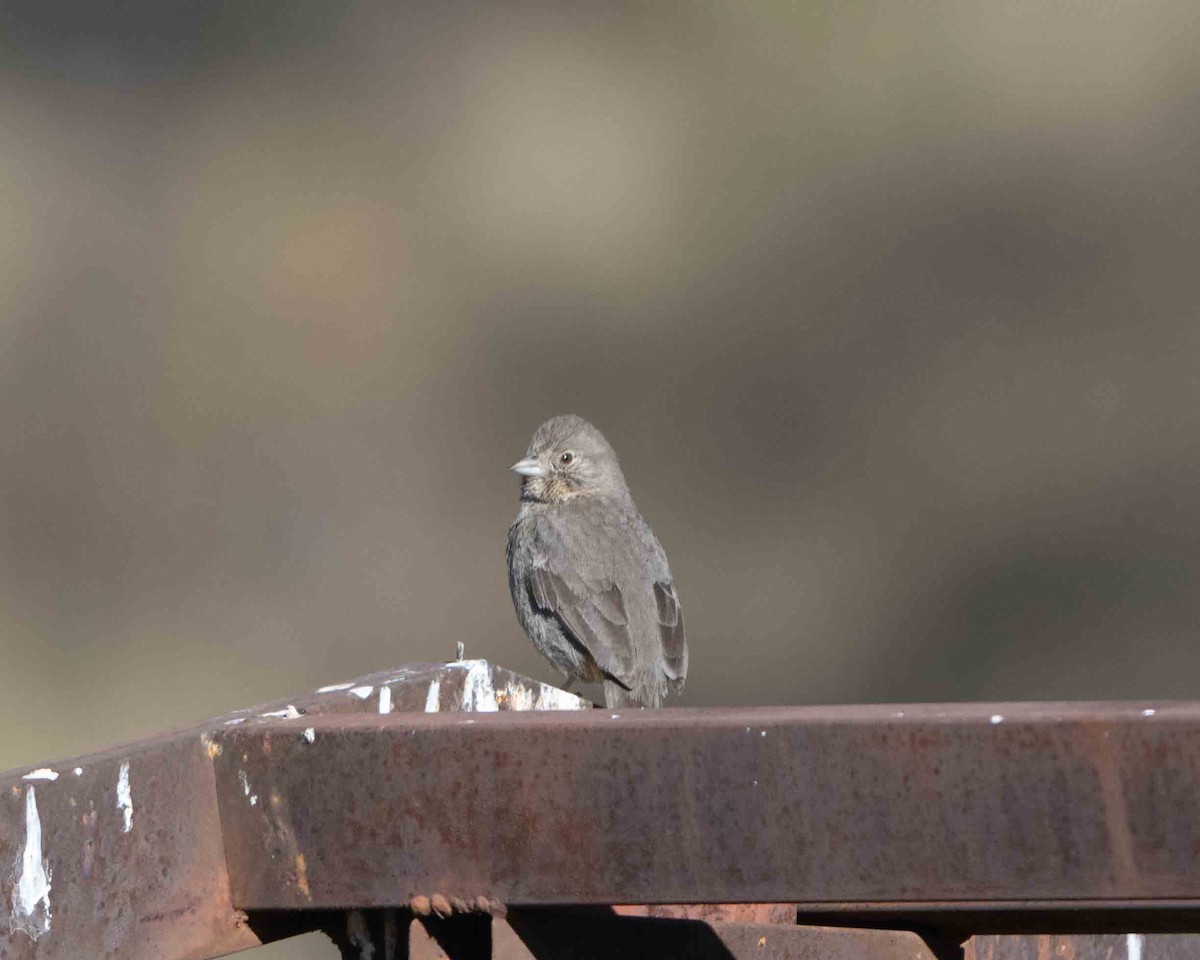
640,695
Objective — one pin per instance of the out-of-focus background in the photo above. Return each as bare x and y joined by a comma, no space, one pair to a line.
889,309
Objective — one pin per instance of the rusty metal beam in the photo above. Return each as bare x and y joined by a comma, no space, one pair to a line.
1125,946
837,807
989,820
122,854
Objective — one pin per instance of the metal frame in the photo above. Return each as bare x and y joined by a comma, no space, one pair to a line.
399,816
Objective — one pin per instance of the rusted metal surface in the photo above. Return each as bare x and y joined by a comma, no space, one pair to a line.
965,917
458,686
117,855
121,854
331,809
1125,946
725,912
834,805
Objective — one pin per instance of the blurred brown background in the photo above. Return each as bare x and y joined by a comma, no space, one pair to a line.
888,308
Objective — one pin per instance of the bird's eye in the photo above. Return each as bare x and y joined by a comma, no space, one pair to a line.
566,457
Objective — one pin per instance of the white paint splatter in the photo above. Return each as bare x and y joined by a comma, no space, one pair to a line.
552,698
362,692
899,714
479,690
385,699
235,721
245,782
79,771
310,735
996,718
125,797
480,694
287,713
31,895
334,687
432,702
516,696
1133,946
1148,713
41,773
616,716
763,734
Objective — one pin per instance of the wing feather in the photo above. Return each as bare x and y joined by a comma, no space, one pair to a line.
593,616
670,626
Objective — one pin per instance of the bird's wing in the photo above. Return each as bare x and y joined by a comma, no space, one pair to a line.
593,615
670,628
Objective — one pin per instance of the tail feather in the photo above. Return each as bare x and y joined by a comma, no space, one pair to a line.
640,695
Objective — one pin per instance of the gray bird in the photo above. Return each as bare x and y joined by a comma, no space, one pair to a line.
589,579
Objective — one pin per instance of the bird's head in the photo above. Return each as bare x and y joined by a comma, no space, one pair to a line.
569,458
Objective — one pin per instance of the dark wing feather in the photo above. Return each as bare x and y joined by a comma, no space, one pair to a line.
593,615
670,627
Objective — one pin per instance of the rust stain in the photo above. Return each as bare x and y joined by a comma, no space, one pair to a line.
302,875
1106,759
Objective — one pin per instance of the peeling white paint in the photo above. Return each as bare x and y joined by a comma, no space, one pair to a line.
1133,946
362,692
125,797
1149,713
552,698
334,687
385,699
482,695
479,689
996,718
41,773
310,735
78,771
287,713
520,695
31,895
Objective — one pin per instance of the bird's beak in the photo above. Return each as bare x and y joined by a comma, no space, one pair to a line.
529,467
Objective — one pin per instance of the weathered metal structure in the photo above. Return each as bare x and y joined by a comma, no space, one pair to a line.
460,810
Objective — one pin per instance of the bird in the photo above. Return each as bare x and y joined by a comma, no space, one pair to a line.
590,582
